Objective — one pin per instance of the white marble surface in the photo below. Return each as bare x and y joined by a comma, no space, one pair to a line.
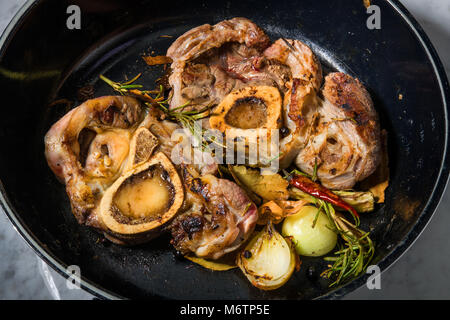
422,272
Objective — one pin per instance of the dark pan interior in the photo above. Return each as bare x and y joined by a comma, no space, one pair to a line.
43,61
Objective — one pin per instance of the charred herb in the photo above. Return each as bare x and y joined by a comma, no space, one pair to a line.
155,98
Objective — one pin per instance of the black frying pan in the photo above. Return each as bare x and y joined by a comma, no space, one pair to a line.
42,61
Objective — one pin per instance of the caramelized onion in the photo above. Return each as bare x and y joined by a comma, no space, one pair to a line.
268,260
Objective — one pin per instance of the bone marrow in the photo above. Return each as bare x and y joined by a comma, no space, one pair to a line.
254,107
143,199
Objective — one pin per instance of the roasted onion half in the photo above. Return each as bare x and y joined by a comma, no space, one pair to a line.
142,200
268,260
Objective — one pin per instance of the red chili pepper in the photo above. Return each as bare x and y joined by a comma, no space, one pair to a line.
310,187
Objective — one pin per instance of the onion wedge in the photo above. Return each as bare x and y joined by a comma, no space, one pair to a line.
268,260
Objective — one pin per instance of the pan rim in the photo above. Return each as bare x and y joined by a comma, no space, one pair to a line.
9,210
400,249
443,177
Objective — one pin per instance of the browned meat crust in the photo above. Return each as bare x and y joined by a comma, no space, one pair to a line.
211,61
219,216
108,118
200,39
300,101
301,60
345,142
352,97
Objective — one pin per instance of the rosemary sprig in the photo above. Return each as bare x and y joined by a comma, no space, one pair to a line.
295,171
187,118
133,79
267,162
355,252
356,249
314,175
317,214
122,88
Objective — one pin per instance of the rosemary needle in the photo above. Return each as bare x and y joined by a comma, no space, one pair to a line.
355,250
187,118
